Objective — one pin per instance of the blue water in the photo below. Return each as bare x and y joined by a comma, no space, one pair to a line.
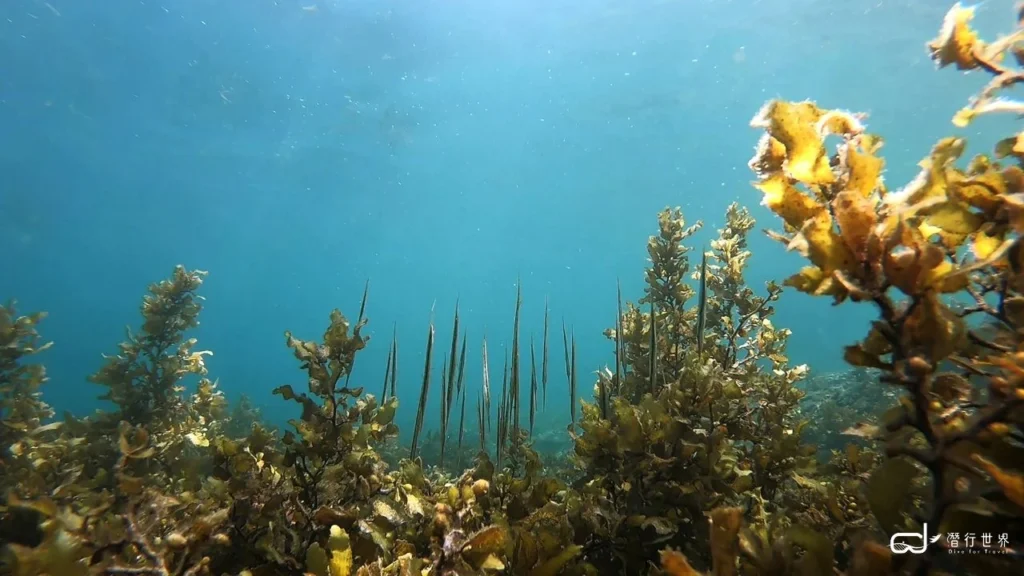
439,148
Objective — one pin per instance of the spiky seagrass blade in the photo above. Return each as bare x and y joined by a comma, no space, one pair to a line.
544,360
449,382
514,376
394,362
565,347
619,368
481,423
362,303
359,322
533,385
502,414
462,368
445,406
487,387
462,421
424,390
500,433
387,376
572,380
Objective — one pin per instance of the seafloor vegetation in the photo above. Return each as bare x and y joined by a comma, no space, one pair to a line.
692,451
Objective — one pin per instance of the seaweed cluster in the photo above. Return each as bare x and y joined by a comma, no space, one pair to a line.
22,410
953,443
171,480
693,452
697,413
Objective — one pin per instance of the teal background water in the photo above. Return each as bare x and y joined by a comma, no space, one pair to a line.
440,149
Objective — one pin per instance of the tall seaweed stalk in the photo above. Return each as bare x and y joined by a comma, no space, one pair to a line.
569,380
462,421
533,386
572,379
391,369
449,383
359,322
544,359
486,387
499,439
424,390
514,376
619,349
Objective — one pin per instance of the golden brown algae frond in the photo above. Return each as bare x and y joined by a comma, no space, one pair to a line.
952,232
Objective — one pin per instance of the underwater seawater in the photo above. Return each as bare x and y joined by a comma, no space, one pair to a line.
366,287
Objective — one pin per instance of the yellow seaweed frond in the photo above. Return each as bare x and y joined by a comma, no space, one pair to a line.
956,41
